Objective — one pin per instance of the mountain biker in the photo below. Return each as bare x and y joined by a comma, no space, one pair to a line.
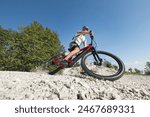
75,44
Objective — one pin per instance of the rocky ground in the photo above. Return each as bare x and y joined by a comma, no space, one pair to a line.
71,85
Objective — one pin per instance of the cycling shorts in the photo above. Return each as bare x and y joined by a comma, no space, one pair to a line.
72,46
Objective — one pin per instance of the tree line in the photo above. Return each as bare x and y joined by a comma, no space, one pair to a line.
146,71
28,48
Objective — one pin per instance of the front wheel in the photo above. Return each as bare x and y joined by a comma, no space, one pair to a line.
103,65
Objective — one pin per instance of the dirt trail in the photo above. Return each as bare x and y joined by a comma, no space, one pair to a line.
71,85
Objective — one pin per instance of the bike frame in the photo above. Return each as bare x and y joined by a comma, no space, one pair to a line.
83,52
88,52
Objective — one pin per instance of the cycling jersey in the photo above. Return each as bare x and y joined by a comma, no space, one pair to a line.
79,39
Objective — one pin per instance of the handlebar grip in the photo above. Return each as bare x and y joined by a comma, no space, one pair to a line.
92,37
91,31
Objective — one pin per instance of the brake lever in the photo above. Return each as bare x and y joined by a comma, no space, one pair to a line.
91,35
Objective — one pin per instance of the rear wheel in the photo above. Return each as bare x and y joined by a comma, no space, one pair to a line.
53,64
108,67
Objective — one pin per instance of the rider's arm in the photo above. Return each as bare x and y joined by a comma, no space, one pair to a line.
84,43
84,32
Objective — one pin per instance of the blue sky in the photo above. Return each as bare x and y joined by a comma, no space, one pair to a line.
121,27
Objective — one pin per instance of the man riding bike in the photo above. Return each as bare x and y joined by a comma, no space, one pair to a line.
75,44
95,63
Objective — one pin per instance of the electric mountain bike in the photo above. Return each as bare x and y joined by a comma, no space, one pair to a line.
98,64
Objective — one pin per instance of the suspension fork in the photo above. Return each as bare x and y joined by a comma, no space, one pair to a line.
96,57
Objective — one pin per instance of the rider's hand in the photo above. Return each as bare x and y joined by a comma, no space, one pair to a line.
90,32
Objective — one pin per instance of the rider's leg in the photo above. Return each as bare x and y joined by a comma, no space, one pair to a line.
64,62
72,53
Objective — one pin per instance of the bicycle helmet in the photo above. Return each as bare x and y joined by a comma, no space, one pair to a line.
85,28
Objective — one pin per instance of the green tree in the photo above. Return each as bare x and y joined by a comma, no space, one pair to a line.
107,64
147,68
115,67
137,71
6,54
130,70
29,48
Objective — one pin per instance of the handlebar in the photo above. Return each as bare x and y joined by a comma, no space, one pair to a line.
91,35
92,38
